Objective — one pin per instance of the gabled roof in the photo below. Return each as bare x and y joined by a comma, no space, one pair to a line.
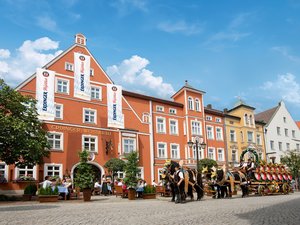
214,111
266,116
298,124
188,87
241,104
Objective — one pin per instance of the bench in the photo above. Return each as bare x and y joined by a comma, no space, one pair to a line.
162,191
120,192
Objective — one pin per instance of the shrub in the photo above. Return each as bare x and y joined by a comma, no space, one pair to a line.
30,189
48,191
149,189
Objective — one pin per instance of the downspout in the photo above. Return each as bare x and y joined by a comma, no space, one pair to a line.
151,142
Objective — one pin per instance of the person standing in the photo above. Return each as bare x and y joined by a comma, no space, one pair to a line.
104,186
179,187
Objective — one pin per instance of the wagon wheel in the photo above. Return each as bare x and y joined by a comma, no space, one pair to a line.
285,188
261,190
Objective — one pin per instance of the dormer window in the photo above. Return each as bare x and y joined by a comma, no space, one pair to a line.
190,103
197,105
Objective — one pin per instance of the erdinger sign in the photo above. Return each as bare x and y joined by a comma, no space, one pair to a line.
82,88
45,93
82,58
115,117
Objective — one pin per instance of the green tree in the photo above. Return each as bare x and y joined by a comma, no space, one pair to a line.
292,160
131,169
209,163
114,165
84,177
22,138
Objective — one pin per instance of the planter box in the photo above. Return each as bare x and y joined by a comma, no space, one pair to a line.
87,193
131,194
48,198
149,196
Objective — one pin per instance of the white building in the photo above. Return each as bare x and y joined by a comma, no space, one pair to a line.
281,132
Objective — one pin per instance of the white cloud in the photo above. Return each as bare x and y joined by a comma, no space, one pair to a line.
4,53
27,58
230,36
126,6
285,52
132,73
47,23
286,87
180,27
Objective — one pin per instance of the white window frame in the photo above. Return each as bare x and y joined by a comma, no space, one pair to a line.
250,139
280,146
17,171
234,136
100,92
288,146
286,132
293,133
218,120
246,119
53,164
213,153
196,127
89,136
64,80
165,150
146,117
222,150
210,133
176,127
61,111
173,111
200,150
92,72
278,131
134,144
5,170
119,174
235,155
160,108
69,66
61,147
140,173
190,103
219,135
258,139
178,151
84,110
272,146
197,105
163,131
209,118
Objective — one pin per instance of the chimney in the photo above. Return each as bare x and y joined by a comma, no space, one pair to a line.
225,110
209,106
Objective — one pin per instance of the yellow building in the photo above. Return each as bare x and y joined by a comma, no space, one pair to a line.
242,132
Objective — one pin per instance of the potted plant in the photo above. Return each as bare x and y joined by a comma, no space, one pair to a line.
149,192
48,194
131,171
29,191
85,177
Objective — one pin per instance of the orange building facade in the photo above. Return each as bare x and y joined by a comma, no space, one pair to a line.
158,129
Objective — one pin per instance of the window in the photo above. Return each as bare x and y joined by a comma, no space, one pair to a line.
69,66
160,174
242,136
209,118
160,108
120,174
55,140
286,132
162,150
62,86
258,139
210,132
174,151
3,172
59,109
196,128
218,120
298,146
234,155
278,131
90,143
284,119
129,145
140,173
280,146
272,145
146,117
200,152
287,146
211,153
27,171
251,119
232,136
246,119
197,105
96,93
91,72
160,125
219,133
220,154
250,136
53,170
293,134
190,103
173,127
89,115
172,111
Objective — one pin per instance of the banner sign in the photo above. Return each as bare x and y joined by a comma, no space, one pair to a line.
82,88
45,94
114,106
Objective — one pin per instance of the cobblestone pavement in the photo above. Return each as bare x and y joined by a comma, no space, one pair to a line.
279,209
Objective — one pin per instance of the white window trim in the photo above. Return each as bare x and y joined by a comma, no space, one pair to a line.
56,84
53,164
223,153
62,111
197,102
158,174
191,99
17,172
92,72
200,124
234,139
177,130
83,116
5,170
166,150
214,152
178,148
100,92
158,107
250,132
66,63
208,118
142,172
222,138
212,132
173,113
89,136
61,140
218,120
165,128
123,145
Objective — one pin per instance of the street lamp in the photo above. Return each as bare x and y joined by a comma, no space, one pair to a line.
197,144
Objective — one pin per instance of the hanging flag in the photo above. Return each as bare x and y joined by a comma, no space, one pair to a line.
45,94
114,106
82,88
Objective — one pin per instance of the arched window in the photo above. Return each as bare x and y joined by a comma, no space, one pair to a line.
191,103
251,119
197,105
246,119
146,117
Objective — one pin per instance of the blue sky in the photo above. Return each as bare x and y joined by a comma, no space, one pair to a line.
229,48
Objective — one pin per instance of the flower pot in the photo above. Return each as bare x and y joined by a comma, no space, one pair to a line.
149,196
131,194
48,198
87,193
26,197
